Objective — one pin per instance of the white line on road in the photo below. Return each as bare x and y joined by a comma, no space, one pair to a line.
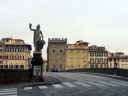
119,83
97,84
57,86
43,87
8,92
69,84
110,84
82,84
27,88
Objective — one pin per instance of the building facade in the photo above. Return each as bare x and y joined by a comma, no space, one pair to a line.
14,54
77,55
98,57
56,54
118,59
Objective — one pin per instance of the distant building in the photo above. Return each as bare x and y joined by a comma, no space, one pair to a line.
98,57
56,54
77,55
14,54
118,59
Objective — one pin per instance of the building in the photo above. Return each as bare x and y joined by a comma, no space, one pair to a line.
56,54
98,57
77,55
14,54
118,59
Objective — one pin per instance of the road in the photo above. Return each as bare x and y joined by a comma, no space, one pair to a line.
73,84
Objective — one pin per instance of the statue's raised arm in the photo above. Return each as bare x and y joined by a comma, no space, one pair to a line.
30,27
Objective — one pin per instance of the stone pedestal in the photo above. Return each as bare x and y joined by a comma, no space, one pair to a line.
37,65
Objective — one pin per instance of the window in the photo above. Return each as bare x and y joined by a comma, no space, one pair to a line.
22,57
53,50
96,66
12,57
12,49
101,60
16,66
96,60
6,66
1,66
105,60
21,66
10,66
60,50
21,49
1,62
0,57
106,54
91,60
91,54
16,49
0,50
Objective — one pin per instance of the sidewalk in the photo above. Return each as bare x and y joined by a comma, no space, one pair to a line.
106,75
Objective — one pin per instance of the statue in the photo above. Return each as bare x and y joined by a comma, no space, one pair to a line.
38,38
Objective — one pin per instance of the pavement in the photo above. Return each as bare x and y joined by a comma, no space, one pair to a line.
50,79
106,75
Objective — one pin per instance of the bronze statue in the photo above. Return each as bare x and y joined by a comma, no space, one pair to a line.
38,38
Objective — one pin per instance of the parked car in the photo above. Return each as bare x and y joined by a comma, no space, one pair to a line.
54,70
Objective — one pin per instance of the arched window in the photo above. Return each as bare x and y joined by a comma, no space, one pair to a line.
6,66
11,66
21,66
16,66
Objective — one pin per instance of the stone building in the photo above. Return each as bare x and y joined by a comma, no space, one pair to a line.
77,55
98,57
14,54
56,54
118,59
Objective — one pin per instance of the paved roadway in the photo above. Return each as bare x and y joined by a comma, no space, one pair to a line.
73,84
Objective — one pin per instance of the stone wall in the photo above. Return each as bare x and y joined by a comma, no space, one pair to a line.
14,76
110,71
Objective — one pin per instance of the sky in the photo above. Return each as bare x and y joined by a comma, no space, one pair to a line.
99,22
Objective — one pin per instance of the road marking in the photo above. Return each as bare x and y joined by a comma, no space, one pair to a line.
82,84
110,84
97,84
43,87
69,84
119,83
8,92
57,86
27,88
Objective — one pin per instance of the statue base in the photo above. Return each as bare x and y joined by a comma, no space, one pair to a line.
37,63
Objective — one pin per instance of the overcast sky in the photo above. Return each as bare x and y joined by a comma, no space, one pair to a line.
99,22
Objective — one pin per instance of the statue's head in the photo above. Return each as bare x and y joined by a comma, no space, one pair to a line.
38,27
